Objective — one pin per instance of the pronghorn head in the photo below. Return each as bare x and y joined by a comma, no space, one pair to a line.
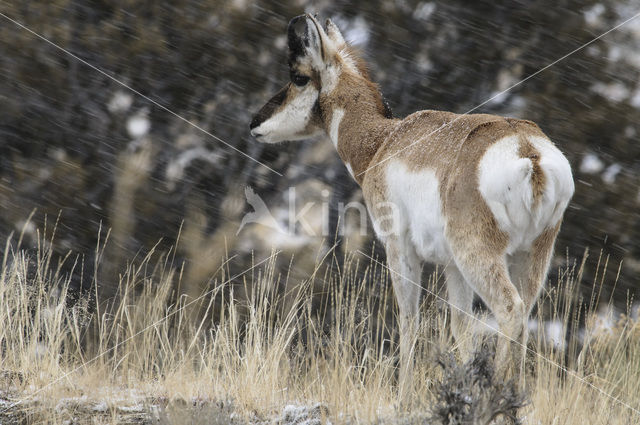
318,57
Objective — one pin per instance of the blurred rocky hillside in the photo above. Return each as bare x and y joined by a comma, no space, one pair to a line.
77,143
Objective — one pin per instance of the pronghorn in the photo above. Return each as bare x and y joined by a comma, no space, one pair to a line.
481,195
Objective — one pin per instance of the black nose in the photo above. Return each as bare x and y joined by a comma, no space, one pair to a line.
297,36
298,25
255,121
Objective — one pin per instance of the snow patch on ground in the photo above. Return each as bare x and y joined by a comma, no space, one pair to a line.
119,404
120,102
424,10
591,164
134,408
138,125
616,92
635,99
175,168
304,415
554,333
610,174
601,324
593,15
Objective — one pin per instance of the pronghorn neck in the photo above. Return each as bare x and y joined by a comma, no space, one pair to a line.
353,114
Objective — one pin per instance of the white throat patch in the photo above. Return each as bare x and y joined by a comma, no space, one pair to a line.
330,79
334,130
350,170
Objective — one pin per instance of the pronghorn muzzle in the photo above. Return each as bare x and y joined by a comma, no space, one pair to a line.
268,109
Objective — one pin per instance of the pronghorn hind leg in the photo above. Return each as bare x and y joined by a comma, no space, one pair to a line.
405,268
489,277
529,271
460,296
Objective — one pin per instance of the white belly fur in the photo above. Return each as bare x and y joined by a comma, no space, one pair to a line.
416,196
505,184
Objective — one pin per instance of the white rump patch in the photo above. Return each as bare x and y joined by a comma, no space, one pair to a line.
505,185
559,187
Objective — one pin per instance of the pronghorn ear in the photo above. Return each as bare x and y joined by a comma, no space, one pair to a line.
334,34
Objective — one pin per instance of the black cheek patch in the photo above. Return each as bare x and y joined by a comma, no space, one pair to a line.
316,108
267,110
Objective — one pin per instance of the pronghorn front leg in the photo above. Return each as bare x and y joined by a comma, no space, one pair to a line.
405,269
460,296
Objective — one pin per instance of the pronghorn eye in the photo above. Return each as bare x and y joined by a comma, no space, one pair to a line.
299,80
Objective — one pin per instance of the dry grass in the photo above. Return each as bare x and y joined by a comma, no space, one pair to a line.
156,356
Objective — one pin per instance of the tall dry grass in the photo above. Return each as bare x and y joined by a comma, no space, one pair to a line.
64,359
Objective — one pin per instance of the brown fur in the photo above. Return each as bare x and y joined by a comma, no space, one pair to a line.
452,146
363,71
538,179
363,120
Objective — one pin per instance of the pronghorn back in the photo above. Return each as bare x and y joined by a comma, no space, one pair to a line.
520,175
